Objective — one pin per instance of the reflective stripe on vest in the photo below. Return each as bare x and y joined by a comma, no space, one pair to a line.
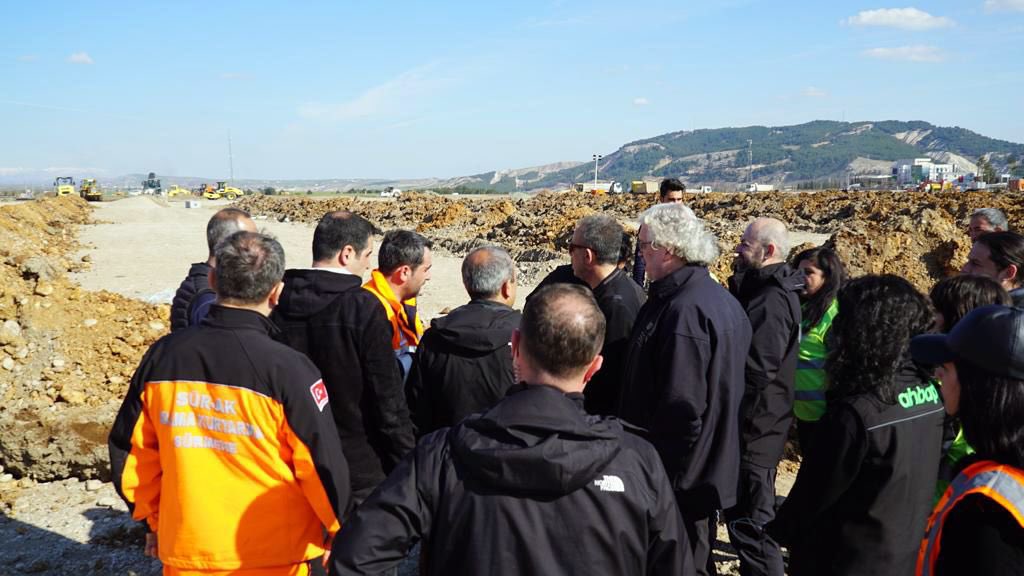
1002,484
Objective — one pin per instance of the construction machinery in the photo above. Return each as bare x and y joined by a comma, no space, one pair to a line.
229,192
935,186
221,190
90,190
176,190
64,186
151,185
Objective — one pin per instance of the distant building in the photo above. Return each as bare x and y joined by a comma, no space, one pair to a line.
916,170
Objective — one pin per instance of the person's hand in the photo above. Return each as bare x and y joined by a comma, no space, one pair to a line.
151,548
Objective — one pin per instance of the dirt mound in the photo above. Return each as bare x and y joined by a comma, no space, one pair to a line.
917,235
66,355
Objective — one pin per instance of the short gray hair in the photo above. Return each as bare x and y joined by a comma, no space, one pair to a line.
249,265
677,229
603,235
224,223
994,216
485,270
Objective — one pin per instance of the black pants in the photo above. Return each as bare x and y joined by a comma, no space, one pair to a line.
700,532
759,555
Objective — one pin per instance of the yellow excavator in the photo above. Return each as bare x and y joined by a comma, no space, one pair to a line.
63,186
90,190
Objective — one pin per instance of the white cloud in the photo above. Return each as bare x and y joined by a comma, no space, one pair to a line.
1004,5
392,98
918,53
641,101
80,58
902,18
812,92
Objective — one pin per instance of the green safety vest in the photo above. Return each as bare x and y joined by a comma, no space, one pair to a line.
811,382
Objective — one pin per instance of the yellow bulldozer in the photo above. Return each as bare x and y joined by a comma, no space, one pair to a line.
63,186
222,190
90,190
176,190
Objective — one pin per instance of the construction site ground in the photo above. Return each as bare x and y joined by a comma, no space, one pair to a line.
84,291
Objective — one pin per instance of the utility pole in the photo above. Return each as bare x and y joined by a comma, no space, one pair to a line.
597,158
231,160
750,161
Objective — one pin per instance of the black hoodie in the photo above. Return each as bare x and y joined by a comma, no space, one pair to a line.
532,486
771,298
346,333
464,364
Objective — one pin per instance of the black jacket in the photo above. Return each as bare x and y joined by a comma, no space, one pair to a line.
619,299
196,281
464,364
683,381
560,275
980,537
771,298
532,486
866,486
344,330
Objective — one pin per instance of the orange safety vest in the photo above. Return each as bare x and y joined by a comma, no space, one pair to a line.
1001,483
404,334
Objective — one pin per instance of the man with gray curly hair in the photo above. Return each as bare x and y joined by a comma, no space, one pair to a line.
683,377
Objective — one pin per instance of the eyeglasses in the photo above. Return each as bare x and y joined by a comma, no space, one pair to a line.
648,244
573,247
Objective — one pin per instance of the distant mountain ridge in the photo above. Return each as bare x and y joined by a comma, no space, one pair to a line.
815,151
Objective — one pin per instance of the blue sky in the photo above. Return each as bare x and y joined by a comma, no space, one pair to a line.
419,89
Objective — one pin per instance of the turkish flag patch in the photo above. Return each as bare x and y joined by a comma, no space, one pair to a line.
319,392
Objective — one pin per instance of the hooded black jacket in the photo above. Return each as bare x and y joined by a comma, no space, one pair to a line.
196,281
771,298
345,332
866,486
532,486
619,299
683,381
464,364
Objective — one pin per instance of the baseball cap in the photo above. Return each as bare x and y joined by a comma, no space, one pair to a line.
989,337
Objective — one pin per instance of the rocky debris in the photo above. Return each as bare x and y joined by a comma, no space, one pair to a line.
66,354
920,236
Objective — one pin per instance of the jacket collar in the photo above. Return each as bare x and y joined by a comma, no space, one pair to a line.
238,318
674,282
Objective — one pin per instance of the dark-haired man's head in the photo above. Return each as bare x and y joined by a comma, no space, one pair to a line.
224,223
405,260
488,273
999,256
985,220
671,190
343,239
954,297
559,338
595,248
249,270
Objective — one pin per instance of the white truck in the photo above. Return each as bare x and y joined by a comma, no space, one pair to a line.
390,192
760,188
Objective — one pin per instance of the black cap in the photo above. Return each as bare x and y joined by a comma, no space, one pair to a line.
989,337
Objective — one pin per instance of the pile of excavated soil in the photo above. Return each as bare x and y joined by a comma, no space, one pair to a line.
916,235
66,355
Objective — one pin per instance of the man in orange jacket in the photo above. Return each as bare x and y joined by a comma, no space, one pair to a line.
225,444
403,267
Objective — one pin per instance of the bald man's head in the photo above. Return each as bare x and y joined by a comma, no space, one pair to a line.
486,270
764,242
225,223
562,330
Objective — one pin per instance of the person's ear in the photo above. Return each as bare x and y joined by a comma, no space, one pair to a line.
507,289
595,365
275,294
1011,273
346,255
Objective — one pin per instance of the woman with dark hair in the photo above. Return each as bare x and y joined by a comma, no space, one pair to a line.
978,525
824,274
953,298
865,487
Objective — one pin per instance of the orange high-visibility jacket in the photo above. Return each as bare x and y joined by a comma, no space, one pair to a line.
225,445
1001,483
406,333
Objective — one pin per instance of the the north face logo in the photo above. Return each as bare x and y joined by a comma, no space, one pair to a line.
610,484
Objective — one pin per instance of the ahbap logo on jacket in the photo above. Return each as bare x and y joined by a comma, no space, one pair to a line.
319,392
